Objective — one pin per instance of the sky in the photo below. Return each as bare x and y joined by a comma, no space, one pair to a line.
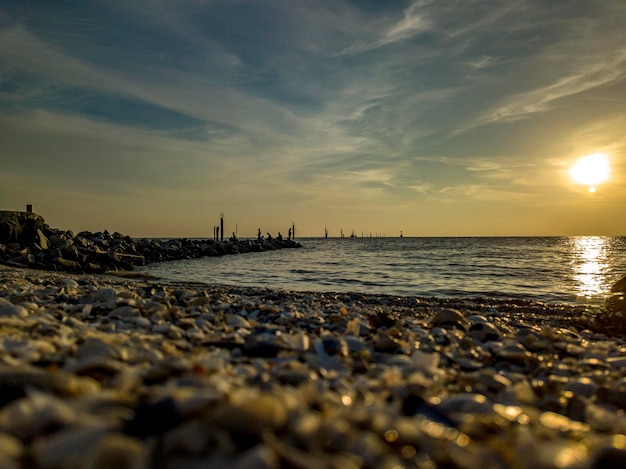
430,118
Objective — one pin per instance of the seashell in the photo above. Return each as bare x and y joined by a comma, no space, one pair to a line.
335,346
69,282
104,294
450,318
294,377
235,320
557,453
582,386
99,367
616,362
327,361
383,342
141,322
263,345
251,414
99,348
67,448
13,311
261,456
58,382
190,401
30,306
299,341
559,422
441,336
122,312
511,351
535,342
610,457
35,415
484,332
155,308
469,403
356,345
487,382
615,394
116,450
467,363
356,327
11,452
603,418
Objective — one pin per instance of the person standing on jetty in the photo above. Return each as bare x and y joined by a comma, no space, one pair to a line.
289,234
259,236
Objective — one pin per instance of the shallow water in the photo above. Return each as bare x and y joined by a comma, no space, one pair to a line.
554,269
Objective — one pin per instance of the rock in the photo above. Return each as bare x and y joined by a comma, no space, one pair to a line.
20,227
450,318
13,311
613,321
617,300
619,286
26,241
42,240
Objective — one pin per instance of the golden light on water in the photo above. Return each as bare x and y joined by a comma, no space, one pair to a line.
591,170
590,262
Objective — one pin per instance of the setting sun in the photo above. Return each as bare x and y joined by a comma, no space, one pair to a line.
591,170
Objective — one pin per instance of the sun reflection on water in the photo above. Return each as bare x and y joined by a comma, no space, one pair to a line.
590,265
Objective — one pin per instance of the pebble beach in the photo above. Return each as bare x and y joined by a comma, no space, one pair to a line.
104,371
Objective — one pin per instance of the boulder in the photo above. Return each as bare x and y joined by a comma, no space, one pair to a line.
619,286
613,320
20,227
617,300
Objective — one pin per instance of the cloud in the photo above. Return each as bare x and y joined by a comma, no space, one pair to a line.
484,61
589,77
413,23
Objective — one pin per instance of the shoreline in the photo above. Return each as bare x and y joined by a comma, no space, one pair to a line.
97,368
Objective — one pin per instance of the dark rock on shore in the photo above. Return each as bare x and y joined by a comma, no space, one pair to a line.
27,241
614,319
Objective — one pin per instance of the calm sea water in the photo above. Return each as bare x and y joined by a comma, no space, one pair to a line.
552,269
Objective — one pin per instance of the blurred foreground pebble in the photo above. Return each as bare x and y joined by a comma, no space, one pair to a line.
96,371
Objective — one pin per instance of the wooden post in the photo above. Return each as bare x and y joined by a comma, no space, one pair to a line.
222,226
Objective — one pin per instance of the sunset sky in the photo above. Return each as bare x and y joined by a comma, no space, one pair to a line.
434,118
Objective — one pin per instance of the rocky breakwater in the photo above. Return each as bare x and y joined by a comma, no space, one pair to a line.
27,241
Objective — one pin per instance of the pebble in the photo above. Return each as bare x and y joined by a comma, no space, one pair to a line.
98,371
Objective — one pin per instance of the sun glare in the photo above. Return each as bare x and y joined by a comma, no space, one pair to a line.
591,170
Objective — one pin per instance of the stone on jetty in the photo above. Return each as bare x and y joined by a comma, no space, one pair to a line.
27,241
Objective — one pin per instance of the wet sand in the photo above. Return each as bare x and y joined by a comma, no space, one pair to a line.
98,370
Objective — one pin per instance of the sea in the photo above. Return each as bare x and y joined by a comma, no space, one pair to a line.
570,270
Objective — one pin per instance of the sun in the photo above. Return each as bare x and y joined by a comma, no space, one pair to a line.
591,170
